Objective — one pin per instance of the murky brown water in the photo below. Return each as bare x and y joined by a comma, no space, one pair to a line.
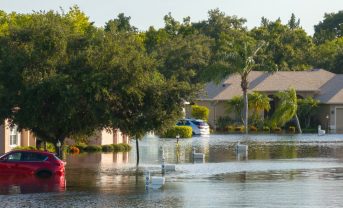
279,171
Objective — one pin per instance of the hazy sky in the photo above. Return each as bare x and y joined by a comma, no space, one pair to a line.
150,12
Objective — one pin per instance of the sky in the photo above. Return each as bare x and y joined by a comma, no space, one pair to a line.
145,13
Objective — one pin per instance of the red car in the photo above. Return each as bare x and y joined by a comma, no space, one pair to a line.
42,164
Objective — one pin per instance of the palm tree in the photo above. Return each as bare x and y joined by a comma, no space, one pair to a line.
236,105
258,102
236,55
286,109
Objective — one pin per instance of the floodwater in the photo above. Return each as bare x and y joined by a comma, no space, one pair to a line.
278,171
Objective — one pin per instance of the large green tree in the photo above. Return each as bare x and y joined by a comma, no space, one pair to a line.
329,56
61,78
330,28
289,47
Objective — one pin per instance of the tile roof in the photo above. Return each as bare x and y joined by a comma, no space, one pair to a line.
327,86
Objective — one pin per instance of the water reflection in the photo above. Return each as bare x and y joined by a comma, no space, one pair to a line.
298,171
24,184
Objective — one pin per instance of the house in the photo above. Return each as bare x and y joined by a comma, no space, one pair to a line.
320,84
10,137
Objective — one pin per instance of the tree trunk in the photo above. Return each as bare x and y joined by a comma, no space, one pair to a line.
244,86
137,151
246,110
298,124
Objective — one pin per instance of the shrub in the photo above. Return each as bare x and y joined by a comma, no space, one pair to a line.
200,112
253,128
73,150
239,128
107,148
266,128
230,128
223,122
121,147
49,147
291,129
93,148
81,147
277,129
24,148
127,147
182,131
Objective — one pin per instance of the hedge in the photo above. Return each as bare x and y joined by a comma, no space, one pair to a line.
93,148
200,112
182,131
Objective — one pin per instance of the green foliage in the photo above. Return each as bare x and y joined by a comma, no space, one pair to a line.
266,128
253,128
200,112
286,108
236,105
239,128
107,148
277,129
81,147
24,148
291,129
330,28
307,109
93,148
258,102
84,79
120,24
223,122
289,47
329,55
121,147
182,131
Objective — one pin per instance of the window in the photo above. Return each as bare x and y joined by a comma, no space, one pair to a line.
14,156
32,157
14,136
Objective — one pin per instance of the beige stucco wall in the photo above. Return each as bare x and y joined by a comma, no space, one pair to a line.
27,138
217,109
2,139
332,115
5,138
106,137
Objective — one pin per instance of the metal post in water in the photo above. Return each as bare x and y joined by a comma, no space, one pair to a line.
147,179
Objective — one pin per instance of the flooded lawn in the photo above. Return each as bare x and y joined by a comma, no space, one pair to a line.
279,171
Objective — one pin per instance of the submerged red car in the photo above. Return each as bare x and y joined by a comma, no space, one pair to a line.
40,163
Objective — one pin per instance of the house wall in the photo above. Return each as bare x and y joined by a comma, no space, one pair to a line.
217,109
5,138
3,145
106,137
332,115
323,111
27,138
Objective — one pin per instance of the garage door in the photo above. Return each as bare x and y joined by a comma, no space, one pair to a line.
339,118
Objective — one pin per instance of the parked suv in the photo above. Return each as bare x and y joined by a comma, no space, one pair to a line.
43,164
199,127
